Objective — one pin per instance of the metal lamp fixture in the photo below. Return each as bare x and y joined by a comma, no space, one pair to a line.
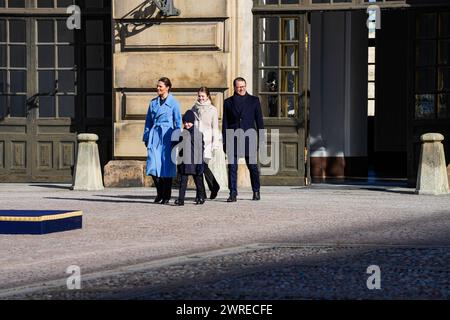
166,7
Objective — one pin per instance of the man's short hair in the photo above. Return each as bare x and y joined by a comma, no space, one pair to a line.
238,79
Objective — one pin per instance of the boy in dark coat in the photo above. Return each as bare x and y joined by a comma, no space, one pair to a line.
192,159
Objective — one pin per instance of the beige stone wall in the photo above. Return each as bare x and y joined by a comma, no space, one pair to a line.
135,104
186,70
207,45
197,48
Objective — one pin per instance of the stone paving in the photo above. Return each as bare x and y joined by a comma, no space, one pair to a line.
297,243
287,273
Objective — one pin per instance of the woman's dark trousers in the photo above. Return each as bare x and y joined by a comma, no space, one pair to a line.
157,182
211,181
163,187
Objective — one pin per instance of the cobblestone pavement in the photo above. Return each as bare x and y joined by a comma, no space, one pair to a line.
144,250
278,272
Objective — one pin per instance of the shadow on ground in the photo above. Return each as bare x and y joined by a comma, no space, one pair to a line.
52,186
283,272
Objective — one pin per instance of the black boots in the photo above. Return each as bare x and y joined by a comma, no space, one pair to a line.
214,194
161,200
256,197
180,203
199,201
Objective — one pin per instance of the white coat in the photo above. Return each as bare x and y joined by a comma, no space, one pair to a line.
207,120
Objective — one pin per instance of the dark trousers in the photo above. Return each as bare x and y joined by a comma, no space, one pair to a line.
232,176
211,181
200,191
163,187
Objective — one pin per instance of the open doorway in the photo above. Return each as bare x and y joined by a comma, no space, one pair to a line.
358,98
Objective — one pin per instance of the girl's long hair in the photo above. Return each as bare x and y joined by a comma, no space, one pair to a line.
205,90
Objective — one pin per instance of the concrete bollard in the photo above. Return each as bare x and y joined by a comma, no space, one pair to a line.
432,176
448,174
88,175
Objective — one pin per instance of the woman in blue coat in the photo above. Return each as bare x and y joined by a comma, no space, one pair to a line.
163,118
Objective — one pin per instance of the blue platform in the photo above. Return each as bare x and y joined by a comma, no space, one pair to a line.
34,222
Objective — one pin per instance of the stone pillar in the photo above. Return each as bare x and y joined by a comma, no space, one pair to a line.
88,175
432,176
244,42
448,175
242,64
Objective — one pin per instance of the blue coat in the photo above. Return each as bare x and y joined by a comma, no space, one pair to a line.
160,123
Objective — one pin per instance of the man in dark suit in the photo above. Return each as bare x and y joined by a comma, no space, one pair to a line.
242,120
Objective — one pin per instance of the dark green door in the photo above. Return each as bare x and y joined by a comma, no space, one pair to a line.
37,99
281,82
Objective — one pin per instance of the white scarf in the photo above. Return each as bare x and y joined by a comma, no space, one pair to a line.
199,108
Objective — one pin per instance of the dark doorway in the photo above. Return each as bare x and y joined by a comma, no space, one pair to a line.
387,95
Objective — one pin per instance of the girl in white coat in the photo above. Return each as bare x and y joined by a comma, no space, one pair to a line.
207,121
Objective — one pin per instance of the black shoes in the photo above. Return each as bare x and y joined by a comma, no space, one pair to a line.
158,199
214,194
199,201
180,203
165,201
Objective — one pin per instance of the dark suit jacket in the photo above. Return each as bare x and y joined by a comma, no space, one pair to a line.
249,117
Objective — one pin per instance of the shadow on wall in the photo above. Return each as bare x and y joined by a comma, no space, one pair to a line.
135,21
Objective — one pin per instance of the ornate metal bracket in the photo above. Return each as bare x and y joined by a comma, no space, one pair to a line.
167,8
